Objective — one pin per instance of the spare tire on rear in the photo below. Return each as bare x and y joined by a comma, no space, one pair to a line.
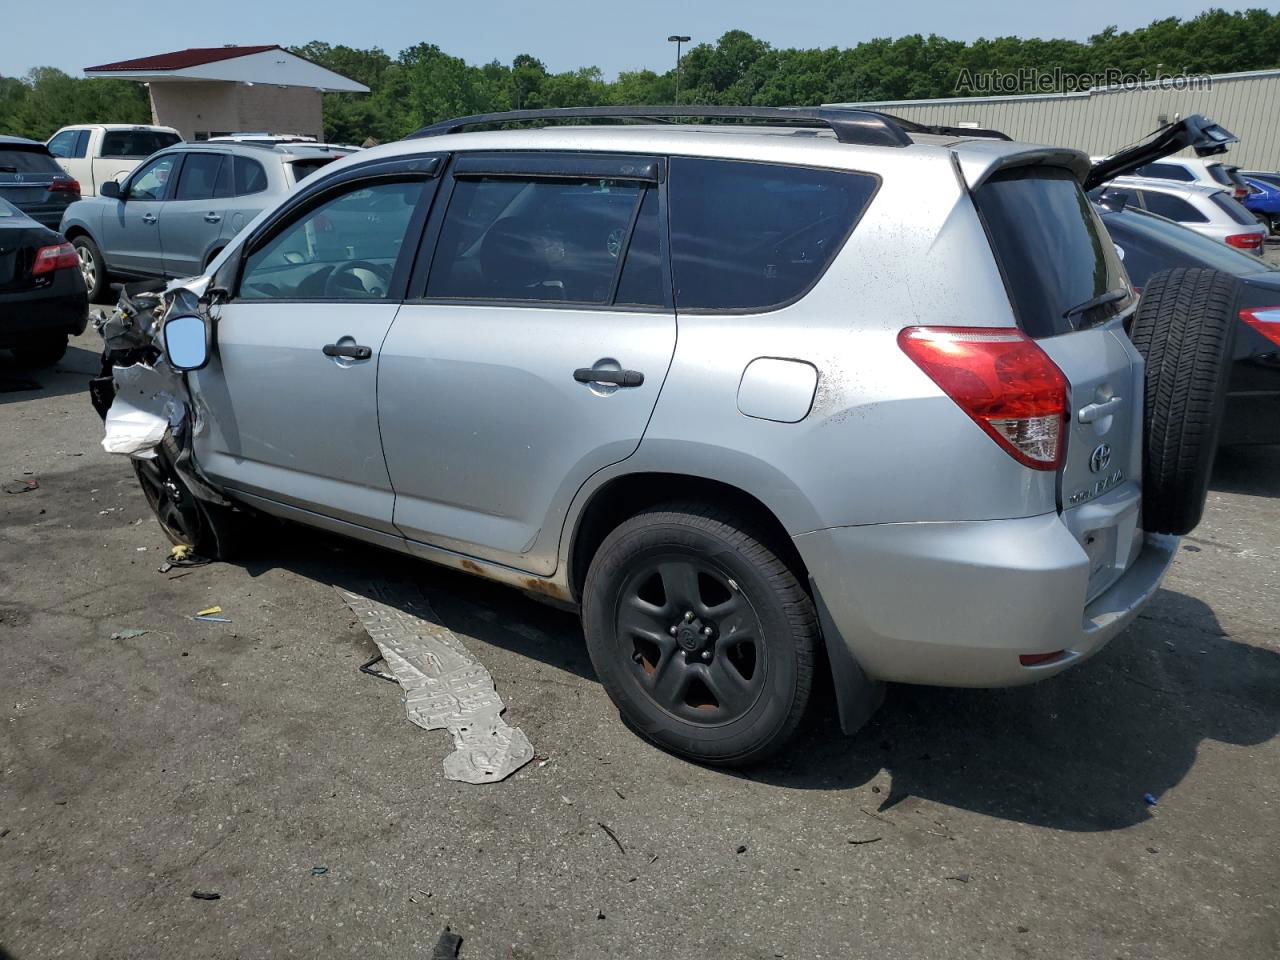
1184,330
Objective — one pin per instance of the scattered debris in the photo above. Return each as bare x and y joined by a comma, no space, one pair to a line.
447,946
128,634
1149,799
208,611
621,795
600,915
1024,929
541,761
962,877
367,667
444,686
209,615
612,836
22,486
319,871
205,895
742,848
858,843
653,859
1149,849
182,556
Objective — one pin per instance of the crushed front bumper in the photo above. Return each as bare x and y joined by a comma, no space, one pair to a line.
957,604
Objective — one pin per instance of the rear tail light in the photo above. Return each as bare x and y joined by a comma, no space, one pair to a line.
1241,192
1265,320
1003,381
1245,241
59,257
66,186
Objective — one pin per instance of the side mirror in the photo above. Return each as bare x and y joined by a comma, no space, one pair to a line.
110,188
186,341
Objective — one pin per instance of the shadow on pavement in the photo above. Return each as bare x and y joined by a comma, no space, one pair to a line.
69,375
1249,470
1075,752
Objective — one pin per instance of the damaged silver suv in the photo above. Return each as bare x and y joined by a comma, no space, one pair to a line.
813,389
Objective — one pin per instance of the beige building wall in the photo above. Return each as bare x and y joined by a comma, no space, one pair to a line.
1103,122
198,109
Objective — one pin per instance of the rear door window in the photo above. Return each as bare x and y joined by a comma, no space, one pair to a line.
547,239
1052,250
754,236
198,176
136,143
1175,208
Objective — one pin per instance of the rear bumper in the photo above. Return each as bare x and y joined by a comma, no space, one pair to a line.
956,604
62,307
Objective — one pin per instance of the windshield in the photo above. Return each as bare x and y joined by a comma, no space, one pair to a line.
1151,244
1051,249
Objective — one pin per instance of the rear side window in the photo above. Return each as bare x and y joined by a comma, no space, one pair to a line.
1165,171
1219,173
27,160
136,143
304,168
1174,208
250,177
1052,250
547,240
199,174
754,236
1233,209
64,143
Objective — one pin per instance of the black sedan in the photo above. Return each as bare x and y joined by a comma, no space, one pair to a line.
33,182
1149,244
42,293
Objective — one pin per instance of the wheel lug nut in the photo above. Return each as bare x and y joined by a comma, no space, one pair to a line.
688,616
673,631
706,631
706,654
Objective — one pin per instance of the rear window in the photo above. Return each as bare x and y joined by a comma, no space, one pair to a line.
305,168
754,236
1052,250
27,160
1234,209
136,143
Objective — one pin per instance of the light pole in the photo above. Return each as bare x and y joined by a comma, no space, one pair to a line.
678,41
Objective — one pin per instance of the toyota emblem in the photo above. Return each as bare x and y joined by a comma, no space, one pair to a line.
1100,458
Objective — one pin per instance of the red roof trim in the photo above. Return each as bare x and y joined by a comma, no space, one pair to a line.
181,59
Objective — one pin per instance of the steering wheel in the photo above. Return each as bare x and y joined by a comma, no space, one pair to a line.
344,278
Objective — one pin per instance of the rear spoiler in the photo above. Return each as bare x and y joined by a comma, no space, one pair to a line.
1196,131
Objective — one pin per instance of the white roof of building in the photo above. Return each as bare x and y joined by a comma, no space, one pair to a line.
271,64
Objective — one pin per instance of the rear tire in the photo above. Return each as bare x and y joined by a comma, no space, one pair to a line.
703,638
92,267
42,350
1184,330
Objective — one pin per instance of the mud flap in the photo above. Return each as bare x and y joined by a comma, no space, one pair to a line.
858,697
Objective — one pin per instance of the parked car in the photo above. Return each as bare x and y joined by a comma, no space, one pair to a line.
173,214
42,295
33,182
1264,198
1196,170
463,346
1210,211
94,153
1149,244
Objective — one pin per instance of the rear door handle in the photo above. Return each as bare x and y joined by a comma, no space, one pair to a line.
1096,411
618,378
352,351
212,218
149,218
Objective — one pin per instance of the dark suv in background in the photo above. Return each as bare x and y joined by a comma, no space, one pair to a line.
32,181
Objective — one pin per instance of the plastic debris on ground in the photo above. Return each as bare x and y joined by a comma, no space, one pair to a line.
447,946
128,634
210,615
1149,799
22,486
445,687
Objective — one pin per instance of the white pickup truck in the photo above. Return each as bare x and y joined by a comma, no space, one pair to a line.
94,153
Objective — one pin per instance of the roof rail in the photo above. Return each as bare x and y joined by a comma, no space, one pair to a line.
850,126
946,131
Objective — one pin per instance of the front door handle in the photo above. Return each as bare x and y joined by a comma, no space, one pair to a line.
352,351
617,378
149,218
1096,411
212,218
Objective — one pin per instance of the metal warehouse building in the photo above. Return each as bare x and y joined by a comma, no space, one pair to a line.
1102,121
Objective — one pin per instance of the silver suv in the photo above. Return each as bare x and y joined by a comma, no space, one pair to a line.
824,390
180,207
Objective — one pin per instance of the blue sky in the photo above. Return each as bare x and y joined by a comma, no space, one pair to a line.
564,34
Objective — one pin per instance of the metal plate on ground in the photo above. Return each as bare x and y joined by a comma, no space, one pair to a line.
445,688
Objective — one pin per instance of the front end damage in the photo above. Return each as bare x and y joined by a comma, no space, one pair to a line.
146,405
